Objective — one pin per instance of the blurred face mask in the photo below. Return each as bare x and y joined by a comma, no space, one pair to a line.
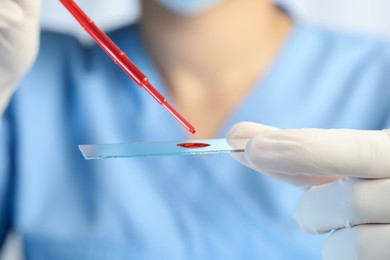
189,7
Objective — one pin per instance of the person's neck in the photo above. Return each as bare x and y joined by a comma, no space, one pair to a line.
211,61
228,46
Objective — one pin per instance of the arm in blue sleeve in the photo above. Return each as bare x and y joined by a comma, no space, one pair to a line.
5,177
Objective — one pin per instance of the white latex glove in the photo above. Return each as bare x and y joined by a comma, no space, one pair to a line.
19,34
346,176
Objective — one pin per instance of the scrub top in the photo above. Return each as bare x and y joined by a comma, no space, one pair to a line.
178,207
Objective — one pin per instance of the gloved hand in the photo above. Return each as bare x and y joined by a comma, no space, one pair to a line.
346,178
19,34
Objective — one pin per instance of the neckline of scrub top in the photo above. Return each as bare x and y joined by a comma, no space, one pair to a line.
264,81
146,62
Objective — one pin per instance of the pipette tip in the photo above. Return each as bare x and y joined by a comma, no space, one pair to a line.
192,130
179,117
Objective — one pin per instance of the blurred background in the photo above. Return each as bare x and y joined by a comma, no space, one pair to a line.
369,17
361,16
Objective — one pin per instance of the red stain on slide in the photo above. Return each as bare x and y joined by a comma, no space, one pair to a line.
193,145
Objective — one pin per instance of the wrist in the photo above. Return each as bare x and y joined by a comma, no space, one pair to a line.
6,92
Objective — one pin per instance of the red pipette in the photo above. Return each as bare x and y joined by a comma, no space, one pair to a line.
122,60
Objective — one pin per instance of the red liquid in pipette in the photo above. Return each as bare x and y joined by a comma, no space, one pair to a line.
122,60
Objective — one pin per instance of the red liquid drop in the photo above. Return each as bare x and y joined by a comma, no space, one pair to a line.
193,145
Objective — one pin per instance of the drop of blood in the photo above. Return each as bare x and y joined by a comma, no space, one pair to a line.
193,145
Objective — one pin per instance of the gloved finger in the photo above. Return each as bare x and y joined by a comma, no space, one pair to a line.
322,152
245,130
249,130
344,203
365,242
10,13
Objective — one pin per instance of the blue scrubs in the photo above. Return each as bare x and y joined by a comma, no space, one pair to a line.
190,207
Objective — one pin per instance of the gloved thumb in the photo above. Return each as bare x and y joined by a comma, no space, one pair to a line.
265,153
320,152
